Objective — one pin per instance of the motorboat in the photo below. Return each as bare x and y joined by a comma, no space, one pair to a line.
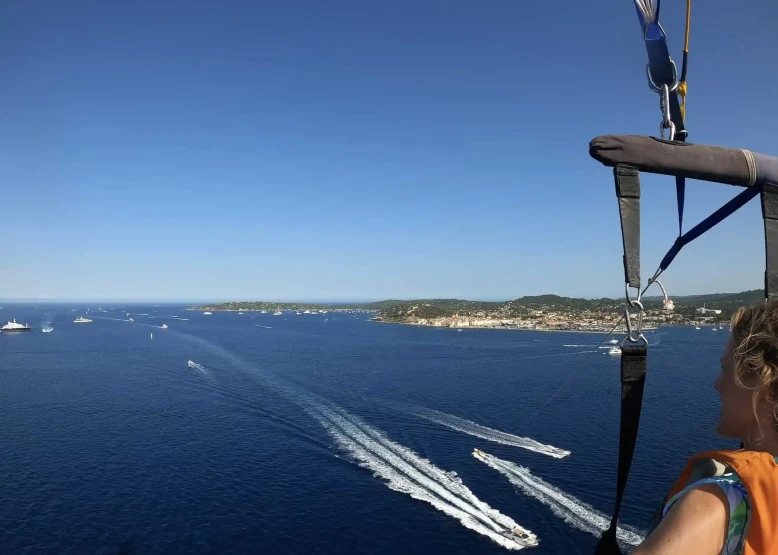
81,320
164,326
13,327
614,351
521,536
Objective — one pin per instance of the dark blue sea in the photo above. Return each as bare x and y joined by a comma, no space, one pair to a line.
326,433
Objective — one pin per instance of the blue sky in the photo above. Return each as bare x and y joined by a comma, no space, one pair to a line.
180,150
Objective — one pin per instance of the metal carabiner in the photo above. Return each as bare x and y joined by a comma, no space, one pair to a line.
667,120
634,335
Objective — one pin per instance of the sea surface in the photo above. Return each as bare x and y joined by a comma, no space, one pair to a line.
327,433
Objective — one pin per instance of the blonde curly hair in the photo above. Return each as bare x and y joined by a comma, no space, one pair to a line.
755,335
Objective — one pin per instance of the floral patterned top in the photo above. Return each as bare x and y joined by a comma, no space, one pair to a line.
739,510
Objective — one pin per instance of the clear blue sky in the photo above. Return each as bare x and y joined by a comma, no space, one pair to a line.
186,150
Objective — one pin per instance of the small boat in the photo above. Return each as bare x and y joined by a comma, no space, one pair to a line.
521,537
613,341
130,320
13,326
277,313
164,326
263,311
206,313
240,313
307,312
47,329
81,320
696,327
614,351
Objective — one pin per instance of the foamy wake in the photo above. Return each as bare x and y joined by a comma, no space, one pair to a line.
196,366
266,327
574,511
489,434
406,472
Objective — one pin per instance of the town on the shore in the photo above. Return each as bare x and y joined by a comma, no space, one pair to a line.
541,313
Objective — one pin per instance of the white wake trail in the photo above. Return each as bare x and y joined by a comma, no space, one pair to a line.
574,511
196,366
405,471
489,434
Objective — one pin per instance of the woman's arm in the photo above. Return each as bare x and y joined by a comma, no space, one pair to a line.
696,524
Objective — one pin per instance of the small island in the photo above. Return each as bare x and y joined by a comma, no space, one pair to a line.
541,313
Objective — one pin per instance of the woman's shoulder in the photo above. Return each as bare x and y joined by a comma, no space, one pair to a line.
695,522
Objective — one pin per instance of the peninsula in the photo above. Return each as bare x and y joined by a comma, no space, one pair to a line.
543,312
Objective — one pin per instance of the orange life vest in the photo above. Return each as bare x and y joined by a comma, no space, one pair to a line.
758,473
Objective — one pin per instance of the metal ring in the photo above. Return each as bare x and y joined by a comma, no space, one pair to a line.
658,89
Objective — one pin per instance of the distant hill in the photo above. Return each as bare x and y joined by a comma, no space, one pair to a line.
395,309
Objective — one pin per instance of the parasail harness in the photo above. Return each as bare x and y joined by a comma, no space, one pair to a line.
628,155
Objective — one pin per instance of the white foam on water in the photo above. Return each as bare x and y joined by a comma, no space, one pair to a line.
572,510
402,469
196,366
489,434
405,471
266,327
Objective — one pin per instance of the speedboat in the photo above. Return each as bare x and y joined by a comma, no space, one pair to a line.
206,313
13,326
613,341
81,320
521,536
277,313
614,351
164,326
130,320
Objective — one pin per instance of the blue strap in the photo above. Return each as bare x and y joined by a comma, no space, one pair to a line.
680,193
717,217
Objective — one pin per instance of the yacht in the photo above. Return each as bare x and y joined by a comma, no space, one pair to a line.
613,341
277,313
81,320
13,326
206,313
614,351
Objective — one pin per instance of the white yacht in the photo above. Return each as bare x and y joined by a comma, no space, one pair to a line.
13,326
81,320
614,351
206,313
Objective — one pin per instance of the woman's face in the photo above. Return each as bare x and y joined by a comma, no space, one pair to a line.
736,401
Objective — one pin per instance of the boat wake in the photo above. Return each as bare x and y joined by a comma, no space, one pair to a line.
573,511
405,471
401,468
200,367
266,327
47,328
489,434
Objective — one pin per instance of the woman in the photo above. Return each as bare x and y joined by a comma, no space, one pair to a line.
727,501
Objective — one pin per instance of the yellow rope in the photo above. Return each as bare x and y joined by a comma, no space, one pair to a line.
683,88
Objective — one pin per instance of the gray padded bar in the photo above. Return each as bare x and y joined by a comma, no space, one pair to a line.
708,163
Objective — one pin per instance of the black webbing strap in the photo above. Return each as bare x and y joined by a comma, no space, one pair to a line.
770,215
633,379
628,192
717,217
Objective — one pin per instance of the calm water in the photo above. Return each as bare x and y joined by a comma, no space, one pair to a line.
111,443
